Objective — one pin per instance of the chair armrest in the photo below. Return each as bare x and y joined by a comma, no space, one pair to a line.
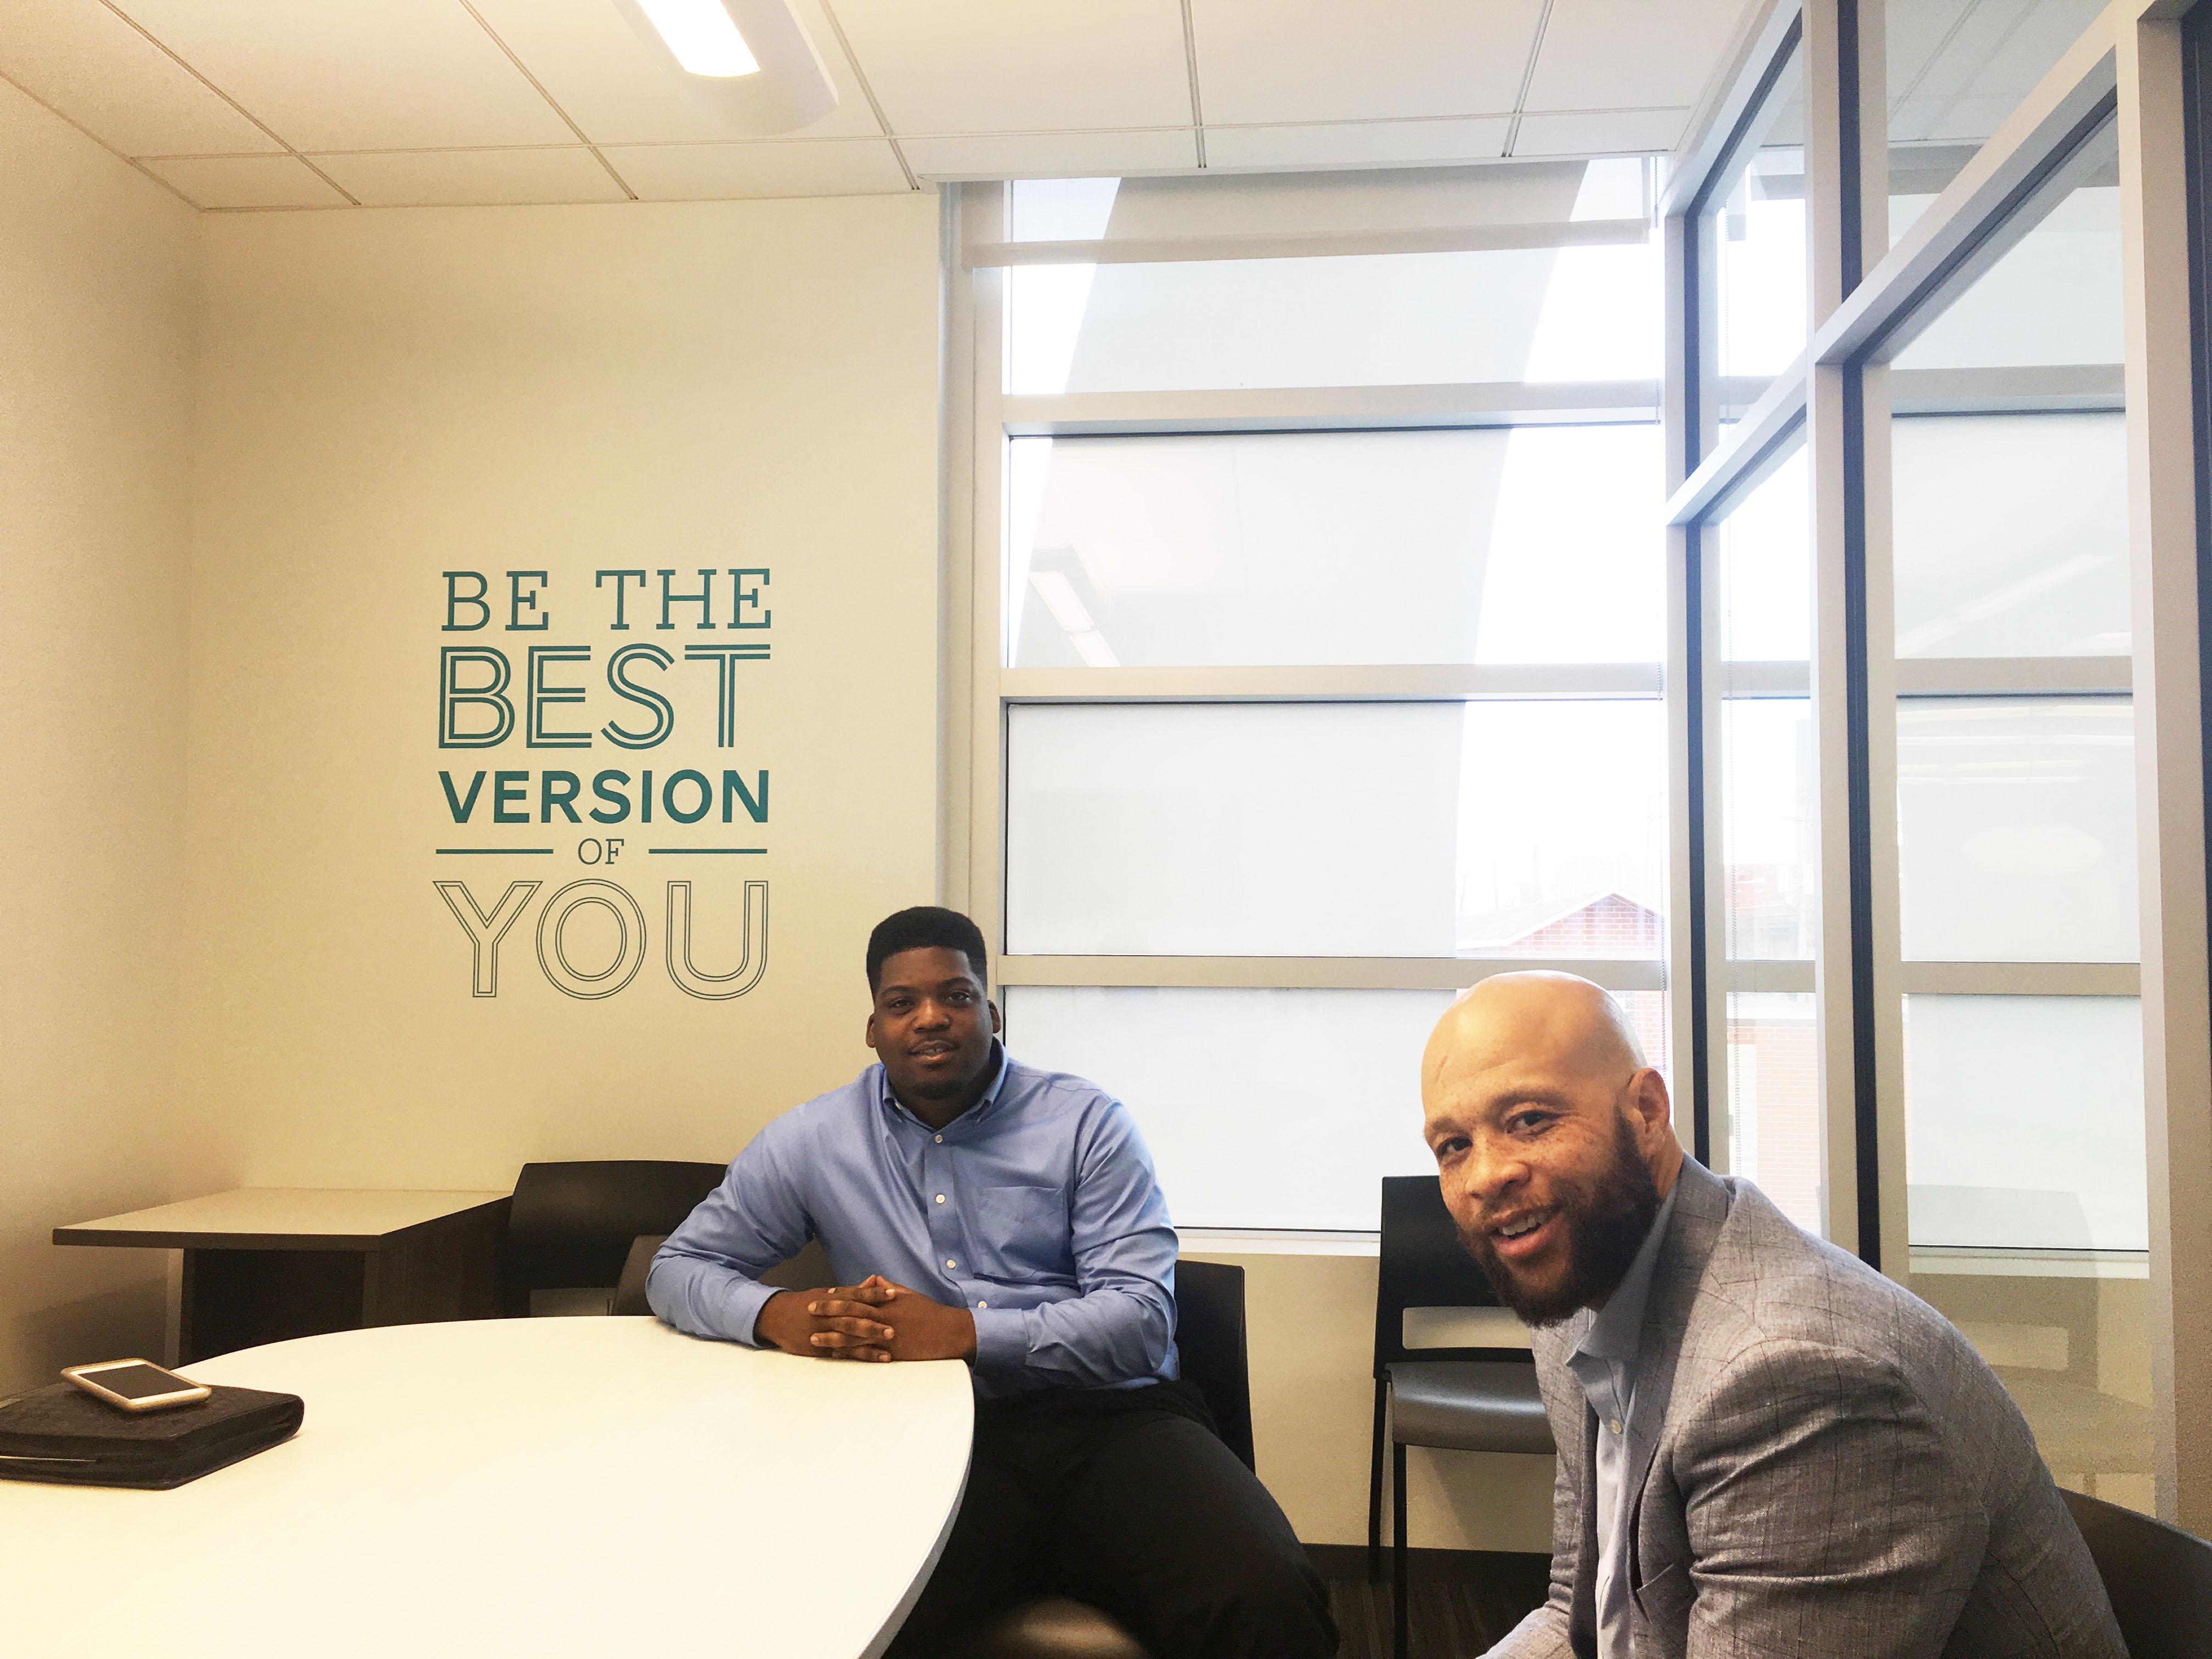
630,1290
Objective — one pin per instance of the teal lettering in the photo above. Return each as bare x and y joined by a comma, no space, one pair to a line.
557,789
455,600
613,798
619,681
461,805
453,696
518,602
734,790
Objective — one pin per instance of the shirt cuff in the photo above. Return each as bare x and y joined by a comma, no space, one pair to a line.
741,1304
1002,1340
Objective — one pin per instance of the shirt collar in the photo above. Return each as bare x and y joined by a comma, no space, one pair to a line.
1617,1332
1001,1065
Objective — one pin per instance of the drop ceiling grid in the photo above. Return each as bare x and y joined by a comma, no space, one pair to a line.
988,87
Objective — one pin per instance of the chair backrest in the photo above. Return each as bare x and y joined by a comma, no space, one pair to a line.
1210,1335
2159,1578
571,1224
1423,1265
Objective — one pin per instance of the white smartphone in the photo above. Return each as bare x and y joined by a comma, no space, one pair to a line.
136,1385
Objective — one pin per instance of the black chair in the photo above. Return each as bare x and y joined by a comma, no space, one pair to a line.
2159,1576
1210,1335
1461,1399
571,1226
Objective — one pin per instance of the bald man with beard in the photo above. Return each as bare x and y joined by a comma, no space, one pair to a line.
1766,1447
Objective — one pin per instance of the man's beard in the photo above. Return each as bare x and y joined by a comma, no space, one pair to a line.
1607,1223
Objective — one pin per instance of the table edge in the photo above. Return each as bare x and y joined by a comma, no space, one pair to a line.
188,1238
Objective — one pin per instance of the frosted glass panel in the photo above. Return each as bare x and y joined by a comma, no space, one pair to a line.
1536,545
2011,535
2024,1122
1262,1108
2017,829
1764,549
2053,297
1768,829
1544,314
1774,1102
1480,828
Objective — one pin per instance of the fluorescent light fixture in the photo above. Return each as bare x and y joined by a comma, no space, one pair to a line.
1059,598
747,66
703,36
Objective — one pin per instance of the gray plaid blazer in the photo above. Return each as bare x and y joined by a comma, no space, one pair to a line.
1838,1475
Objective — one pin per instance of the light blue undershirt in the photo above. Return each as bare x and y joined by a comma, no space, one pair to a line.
1037,1210
1605,1364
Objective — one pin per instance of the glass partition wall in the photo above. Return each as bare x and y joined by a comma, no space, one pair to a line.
2025,1153
1726,575
1916,563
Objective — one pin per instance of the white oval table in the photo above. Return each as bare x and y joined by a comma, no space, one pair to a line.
538,1487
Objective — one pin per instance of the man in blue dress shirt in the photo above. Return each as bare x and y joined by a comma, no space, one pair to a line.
973,1208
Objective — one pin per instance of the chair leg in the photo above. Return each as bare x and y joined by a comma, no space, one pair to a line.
1375,1491
1398,1631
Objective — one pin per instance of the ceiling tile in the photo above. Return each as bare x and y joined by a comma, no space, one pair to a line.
1357,143
2045,35
471,177
81,59
1912,35
1630,54
764,166
1350,62
1052,154
612,85
246,181
341,75
1022,65
1602,132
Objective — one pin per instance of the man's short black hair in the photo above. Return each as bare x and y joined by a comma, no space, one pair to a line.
926,927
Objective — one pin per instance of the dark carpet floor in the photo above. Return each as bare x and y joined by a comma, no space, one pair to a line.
1458,1601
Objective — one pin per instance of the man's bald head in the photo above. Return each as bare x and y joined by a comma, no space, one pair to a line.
1558,1020
1553,1139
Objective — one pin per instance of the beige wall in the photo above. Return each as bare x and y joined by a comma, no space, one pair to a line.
386,396
95,348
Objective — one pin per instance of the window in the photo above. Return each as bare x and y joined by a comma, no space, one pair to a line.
1320,624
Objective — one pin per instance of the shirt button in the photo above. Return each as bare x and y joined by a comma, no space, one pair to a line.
982,1305
940,1198
940,1140
950,1262
1613,1424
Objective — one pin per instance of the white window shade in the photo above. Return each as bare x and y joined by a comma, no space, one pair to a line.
2024,1122
2016,829
1273,1108
1306,549
1499,830
2011,535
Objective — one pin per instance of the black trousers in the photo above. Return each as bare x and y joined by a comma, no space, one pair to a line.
1126,1499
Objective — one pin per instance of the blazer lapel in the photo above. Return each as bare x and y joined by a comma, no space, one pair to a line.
1701,1205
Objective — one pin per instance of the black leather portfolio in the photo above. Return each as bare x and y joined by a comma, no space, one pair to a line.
61,1433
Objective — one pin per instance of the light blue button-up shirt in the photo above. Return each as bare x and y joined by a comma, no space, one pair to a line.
1037,1210
1605,1363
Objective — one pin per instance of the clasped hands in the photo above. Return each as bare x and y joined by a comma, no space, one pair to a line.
874,1320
